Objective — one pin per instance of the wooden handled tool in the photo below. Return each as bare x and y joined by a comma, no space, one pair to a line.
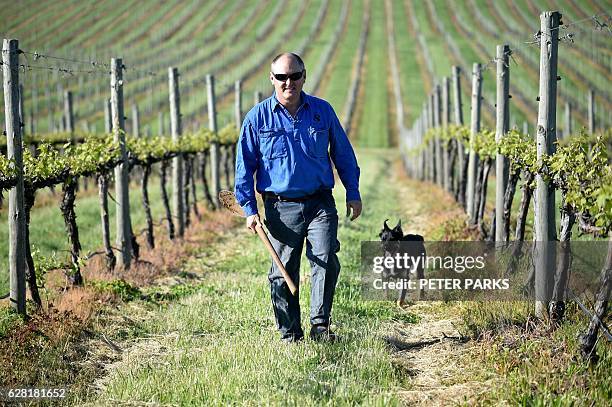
228,200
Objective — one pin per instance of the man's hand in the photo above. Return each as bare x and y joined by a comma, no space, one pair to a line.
252,222
355,206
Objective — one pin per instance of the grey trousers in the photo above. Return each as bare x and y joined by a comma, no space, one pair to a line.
289,223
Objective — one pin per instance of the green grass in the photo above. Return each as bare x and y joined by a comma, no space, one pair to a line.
63,30
324,38
9,320
280,39
221,343
412,83
574,58
470,52
435,43
373,124
335,86
442,60
534,365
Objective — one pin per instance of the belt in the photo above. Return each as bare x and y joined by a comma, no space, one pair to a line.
271,195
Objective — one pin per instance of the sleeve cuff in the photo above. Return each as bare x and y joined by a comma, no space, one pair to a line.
250,208
353,195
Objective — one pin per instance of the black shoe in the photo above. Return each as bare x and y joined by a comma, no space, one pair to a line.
293,339
321,333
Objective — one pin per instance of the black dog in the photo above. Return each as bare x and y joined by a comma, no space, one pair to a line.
391,239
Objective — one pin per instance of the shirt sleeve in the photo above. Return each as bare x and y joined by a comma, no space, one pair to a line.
343,157
246,165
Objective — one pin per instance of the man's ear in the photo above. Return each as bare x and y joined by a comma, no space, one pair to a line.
271,78
304,74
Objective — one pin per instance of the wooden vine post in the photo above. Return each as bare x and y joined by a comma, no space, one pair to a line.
160,124
474,129
50,121
135,121
238,104
108,117
214,147
22,110
567,130
422,155
432,124
437,112
446,145
34,112
122,198
502,120
591,111
545,225
418,142
68,112
178,198
458,110
16,212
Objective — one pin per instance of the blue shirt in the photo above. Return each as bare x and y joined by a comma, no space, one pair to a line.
292,156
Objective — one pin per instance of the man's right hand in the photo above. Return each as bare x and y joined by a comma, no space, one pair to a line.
252,222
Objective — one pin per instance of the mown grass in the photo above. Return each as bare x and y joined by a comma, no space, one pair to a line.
221,346
324,38
442,60
412,83
373,128
334,87
566,61
471,55
259,79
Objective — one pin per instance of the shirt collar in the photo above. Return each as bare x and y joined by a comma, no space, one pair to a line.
303,96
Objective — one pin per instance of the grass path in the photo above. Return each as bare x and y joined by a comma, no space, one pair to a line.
221,344
432,352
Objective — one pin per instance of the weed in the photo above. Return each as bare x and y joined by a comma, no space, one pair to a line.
9,320
120,288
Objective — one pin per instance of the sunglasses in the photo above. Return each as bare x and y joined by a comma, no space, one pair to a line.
282,77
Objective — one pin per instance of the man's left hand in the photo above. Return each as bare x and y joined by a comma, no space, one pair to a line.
355,206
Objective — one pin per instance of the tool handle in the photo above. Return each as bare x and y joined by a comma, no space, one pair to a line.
264,238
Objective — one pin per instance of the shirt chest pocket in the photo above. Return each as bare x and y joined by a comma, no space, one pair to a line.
319,141
272,142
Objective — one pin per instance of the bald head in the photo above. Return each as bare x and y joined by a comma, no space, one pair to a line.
287,75
288,57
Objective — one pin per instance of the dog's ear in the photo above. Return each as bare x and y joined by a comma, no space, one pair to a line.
399,225
385,226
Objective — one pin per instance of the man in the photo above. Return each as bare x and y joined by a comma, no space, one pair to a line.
287,142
